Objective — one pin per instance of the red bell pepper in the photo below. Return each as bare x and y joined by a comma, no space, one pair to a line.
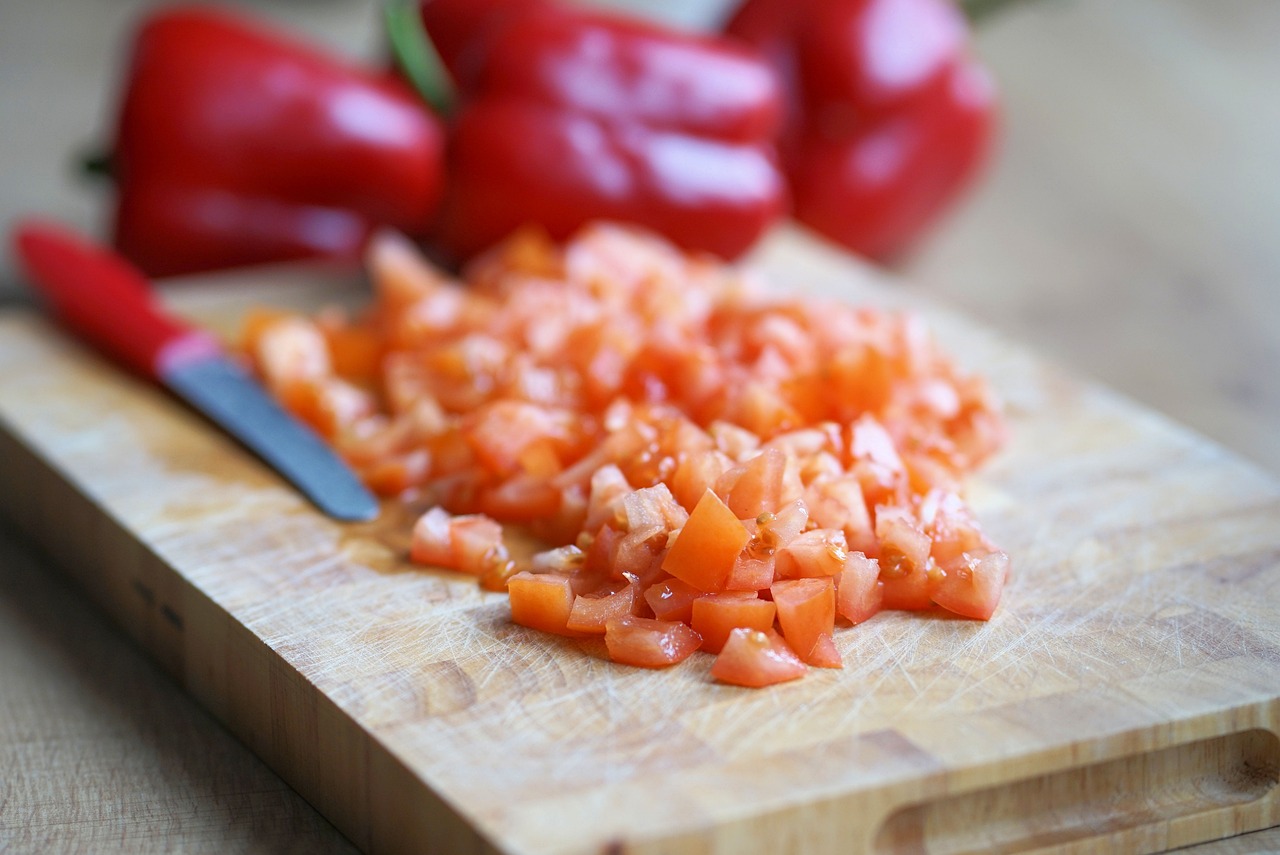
890,117
569,115
237,146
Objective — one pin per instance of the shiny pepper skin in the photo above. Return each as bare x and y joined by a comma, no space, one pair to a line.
236,146
569,115
889,117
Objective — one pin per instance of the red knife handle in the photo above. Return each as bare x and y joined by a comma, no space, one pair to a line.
105,301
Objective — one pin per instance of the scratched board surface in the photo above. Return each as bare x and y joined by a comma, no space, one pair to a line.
1126,688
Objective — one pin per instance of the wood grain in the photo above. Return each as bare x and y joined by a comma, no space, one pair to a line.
100,754
1127,229
1135,662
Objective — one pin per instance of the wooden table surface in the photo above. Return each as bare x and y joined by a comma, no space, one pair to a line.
1129,230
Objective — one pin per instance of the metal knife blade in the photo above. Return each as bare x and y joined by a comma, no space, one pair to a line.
106,302
221,390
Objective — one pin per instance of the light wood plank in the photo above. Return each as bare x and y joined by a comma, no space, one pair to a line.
1136,655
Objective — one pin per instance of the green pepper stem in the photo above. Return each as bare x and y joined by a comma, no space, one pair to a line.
979,11
96,164
417,57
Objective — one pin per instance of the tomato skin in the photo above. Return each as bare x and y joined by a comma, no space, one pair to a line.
649,643
704,552
806,612
754,659
973,589
717,615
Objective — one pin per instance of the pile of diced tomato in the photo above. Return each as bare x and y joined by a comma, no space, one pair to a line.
711,467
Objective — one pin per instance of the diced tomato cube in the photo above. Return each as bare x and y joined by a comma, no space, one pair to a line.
908,589
902,543
817,553
859,592
750,574
601,551
735,441
649,643
806,611
764,483
716,615
838,503
604,502
355,352
973,590
542,601
704,551
672,599
393,475
289,350
774,530
696,473
639,554
522,498
754,659
401,275
477,543
905,566
500,432
432,541
591,612
651,507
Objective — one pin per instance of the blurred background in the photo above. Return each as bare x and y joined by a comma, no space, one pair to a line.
1129,228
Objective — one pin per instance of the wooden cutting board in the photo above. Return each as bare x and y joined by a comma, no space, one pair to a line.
1125,695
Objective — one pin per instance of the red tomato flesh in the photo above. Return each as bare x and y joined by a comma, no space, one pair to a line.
542,601
717,615
859,591
688,446
591,612
973,589
806,612
704,552
672,599
649,643
754,659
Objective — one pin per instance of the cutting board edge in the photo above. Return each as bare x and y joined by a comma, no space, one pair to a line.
206,649
162,612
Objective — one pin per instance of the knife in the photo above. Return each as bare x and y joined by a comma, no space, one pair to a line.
106,302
